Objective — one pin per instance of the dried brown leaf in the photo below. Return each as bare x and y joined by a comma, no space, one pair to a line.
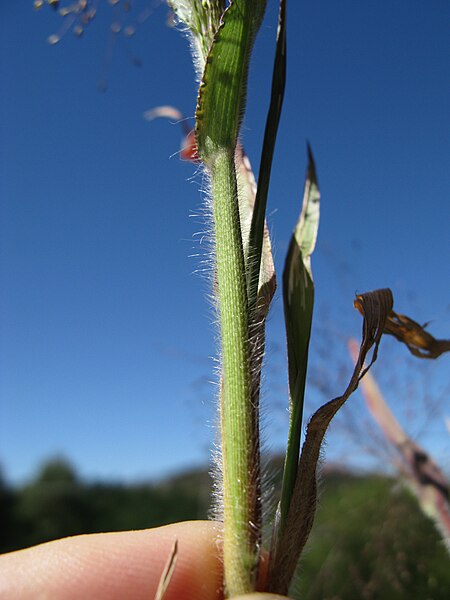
419,342
247,196
375,307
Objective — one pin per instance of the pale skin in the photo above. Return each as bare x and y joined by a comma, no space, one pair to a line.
114,566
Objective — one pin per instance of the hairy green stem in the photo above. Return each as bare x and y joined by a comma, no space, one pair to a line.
240,449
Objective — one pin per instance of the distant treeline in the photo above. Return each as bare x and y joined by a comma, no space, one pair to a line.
58,504
369,541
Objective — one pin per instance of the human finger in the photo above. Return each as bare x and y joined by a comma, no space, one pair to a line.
110,566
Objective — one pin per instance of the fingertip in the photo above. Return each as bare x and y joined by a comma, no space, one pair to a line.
118,565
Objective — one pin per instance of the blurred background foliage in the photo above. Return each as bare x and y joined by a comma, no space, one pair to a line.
369,541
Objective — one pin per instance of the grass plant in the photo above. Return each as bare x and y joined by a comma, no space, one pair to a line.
222,35
240,281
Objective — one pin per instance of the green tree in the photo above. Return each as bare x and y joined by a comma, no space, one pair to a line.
54,504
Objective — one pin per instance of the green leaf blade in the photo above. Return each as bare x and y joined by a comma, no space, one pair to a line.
222,92
256,251
298,298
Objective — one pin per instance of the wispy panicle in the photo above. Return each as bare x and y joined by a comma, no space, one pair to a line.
77,15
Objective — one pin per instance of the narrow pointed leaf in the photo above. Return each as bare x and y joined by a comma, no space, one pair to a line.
298,296
255,261
375,308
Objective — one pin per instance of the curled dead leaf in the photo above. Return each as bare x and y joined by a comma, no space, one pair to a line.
375,307
419,342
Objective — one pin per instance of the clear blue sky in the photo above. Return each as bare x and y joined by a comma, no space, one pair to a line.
107,341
